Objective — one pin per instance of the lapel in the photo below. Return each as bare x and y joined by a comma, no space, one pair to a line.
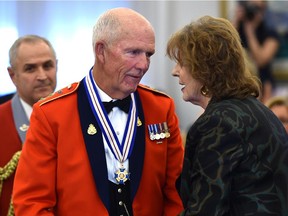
136,160
20,118
95,148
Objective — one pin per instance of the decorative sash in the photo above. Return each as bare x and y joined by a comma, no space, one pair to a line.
120,151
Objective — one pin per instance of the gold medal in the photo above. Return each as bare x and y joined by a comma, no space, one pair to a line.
166,129
122,175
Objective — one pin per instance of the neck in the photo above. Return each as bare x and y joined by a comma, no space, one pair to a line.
205,102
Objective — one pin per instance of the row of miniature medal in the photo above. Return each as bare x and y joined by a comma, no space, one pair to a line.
158,131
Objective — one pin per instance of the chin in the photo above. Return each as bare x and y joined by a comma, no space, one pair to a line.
185,99
46,93
131,88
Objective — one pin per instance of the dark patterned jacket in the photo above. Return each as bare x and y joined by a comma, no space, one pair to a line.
236,161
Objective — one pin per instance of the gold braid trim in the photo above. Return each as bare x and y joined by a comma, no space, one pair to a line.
6,172
11,209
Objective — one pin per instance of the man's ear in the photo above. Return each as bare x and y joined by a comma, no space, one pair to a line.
100,51
12,74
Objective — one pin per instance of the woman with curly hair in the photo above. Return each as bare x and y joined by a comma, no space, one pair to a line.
236,156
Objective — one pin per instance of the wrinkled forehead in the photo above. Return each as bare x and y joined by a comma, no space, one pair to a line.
280,109
142,32
33,52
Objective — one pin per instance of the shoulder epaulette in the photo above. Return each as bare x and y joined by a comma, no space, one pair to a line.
145,87
60,93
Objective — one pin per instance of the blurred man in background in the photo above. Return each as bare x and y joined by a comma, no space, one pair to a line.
32,69
279,106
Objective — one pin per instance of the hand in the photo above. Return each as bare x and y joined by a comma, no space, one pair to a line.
249,27
239,15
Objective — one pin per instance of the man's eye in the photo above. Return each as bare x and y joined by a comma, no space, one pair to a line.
135,52
29,68
149,54
48,66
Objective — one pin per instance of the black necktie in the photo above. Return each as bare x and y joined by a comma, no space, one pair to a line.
124,104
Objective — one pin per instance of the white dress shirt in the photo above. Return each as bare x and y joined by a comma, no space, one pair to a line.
27,108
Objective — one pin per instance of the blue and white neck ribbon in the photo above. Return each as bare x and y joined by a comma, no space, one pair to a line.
120,151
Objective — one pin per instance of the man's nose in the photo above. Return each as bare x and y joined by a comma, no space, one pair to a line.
143,62
41,74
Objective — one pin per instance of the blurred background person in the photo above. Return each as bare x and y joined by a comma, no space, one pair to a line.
32,69
279,106
260,41
236,152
